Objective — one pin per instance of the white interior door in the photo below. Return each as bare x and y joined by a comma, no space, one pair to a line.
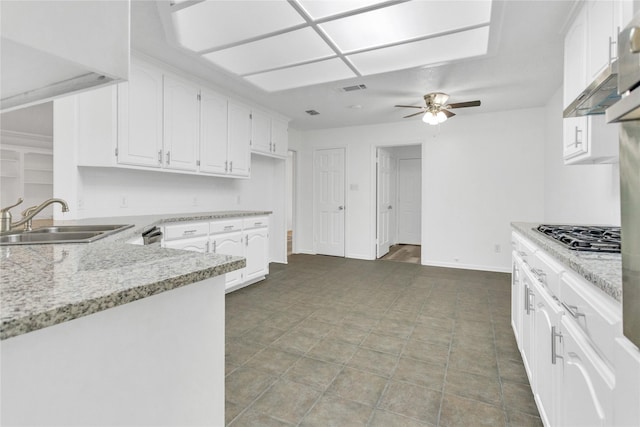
384,201
409,201
328,178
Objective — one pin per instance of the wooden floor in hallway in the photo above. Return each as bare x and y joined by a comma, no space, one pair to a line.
327,341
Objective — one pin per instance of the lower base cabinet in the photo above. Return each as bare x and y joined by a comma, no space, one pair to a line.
582,370
248,238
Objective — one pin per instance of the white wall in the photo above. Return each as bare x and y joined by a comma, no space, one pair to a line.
576,194
480,172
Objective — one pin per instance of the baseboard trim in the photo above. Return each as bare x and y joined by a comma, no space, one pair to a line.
457,265
244,284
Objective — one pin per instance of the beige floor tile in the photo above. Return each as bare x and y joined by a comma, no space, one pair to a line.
388,419
519,397
426,351
238,351
252,418
295,342
286,401
273,360
413,401
312,372
457,411
359,386
373,361
262,334
333,411
384,343
520,419
473,386
348,334
420,373
245,384
332,350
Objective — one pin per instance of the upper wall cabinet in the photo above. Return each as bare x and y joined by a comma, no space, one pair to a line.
161,121
269,135
590,45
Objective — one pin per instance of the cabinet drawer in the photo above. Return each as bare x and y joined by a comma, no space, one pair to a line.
598,317
256,222
225,226
522,247
182,231
547,271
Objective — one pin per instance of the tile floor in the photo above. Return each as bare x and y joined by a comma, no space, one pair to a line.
327,341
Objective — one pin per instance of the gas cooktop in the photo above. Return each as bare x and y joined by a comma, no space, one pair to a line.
588,238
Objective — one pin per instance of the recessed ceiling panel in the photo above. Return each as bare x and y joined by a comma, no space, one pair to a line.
322,9
214,23
302,75
405,21
285,49
431,51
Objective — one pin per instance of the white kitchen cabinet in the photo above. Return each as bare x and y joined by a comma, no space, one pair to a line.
626,398
547,341
269,135
230,244
586,382
588,139
196,244
181,121
140,117
257,253
516,296
239,143
213,133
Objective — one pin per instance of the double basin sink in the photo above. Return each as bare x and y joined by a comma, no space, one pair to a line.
61,234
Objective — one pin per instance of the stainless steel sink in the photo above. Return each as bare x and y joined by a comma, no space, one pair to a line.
61,234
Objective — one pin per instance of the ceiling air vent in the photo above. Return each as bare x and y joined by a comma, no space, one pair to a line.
354,87
312,112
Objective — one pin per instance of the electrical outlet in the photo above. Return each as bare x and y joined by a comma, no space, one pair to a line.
124,202
497,248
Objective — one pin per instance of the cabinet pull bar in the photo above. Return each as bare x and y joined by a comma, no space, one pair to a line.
168,157
527,303
573,310
159,157
554,354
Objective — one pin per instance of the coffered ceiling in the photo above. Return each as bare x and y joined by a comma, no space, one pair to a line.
280,44
297,55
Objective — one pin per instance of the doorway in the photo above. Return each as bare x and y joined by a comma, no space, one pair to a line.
399,203
329,201
291,200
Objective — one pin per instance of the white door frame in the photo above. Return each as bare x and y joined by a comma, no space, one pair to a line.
346,204
294,198
373,229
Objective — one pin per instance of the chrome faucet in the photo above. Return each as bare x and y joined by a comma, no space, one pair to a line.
28,214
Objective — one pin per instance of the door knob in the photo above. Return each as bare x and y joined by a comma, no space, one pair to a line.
340,208
389,207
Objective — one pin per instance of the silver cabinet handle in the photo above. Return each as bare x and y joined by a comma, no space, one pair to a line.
540,275
340,208
231,166
226,166
159,157
270,146
389,207
554,354
274,147
522,253
578,131
188,232
215,246
246,240
228,227
527,307
573,310
168,157
634,40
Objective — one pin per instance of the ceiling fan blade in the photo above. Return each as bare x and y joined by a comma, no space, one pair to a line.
407,106
464,104
414,114
448,113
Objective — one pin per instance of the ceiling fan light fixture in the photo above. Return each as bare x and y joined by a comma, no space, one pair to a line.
441,116
430,118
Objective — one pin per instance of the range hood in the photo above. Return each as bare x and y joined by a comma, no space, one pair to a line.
53,48
598,96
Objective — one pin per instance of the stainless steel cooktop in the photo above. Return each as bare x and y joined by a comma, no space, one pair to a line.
588,238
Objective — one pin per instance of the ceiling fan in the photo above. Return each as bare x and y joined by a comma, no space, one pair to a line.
437,109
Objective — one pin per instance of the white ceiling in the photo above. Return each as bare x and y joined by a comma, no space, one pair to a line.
302,55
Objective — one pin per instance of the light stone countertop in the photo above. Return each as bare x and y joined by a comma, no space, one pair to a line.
43,285
604,270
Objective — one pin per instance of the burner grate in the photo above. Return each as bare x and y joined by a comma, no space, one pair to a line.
584,238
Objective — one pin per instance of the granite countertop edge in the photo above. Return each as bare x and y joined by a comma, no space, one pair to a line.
19,322
603,271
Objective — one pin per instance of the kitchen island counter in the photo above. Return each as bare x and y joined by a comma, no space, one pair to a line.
604,270
44,285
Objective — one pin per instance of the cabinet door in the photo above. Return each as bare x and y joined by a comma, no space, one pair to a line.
575,65
181,110
197,244
547,340
516,297
239,140
257,253
575,137
213,133
230,244
261,132
600,36
140,117
279,137
528,324
586,382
